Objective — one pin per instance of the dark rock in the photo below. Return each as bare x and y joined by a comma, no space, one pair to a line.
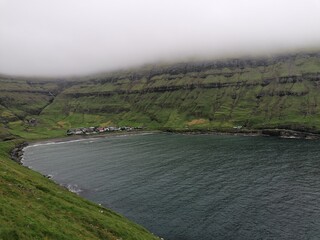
17,152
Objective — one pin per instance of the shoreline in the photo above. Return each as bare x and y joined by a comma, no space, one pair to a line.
84,137
272,132
17,153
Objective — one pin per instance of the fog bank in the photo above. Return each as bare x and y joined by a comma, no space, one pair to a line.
74,37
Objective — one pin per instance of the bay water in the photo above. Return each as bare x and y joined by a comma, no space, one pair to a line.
183,187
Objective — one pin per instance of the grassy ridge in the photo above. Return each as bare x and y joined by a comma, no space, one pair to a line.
33,207
254,93
267,93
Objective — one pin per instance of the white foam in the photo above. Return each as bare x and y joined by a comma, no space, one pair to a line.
74,188
62,142
134,134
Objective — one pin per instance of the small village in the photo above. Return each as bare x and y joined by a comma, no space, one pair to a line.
96,130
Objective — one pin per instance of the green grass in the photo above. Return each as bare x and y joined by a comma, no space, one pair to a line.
118,99
33,207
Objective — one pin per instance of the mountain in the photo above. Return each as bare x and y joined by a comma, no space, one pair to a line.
256,93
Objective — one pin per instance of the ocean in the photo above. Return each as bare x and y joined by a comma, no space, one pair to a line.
183,187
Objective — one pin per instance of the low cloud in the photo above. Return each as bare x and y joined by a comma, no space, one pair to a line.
74,37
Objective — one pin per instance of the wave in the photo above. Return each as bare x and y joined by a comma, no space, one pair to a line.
62,142
73,188
135,134
90,140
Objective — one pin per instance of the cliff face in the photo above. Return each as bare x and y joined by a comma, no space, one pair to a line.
253,93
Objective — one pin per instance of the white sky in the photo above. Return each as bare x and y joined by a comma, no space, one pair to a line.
67,37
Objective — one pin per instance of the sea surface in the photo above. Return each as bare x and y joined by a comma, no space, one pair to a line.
183,187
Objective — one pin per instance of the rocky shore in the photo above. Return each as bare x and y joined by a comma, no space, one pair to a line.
287,133
17,153
281,133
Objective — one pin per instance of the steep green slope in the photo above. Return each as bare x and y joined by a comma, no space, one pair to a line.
254,93
33,207
277,92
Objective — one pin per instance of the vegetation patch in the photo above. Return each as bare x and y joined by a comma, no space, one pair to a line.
34,207
200,121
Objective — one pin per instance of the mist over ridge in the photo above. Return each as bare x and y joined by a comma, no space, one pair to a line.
44,38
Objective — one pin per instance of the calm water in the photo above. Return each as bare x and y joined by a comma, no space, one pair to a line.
196,187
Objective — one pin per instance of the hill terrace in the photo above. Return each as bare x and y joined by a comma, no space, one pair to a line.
96,130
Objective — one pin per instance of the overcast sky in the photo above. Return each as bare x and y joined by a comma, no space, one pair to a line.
67,37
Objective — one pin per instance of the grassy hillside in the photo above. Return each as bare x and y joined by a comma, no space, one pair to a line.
278,92
33,207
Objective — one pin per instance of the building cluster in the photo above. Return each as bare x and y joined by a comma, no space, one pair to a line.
95,130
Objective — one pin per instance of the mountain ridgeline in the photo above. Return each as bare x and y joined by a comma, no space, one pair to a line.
256,93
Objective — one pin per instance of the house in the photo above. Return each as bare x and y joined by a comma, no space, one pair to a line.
78,131
111,129
100,129
70,132
93,130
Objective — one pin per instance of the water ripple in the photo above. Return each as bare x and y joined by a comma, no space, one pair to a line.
196,187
